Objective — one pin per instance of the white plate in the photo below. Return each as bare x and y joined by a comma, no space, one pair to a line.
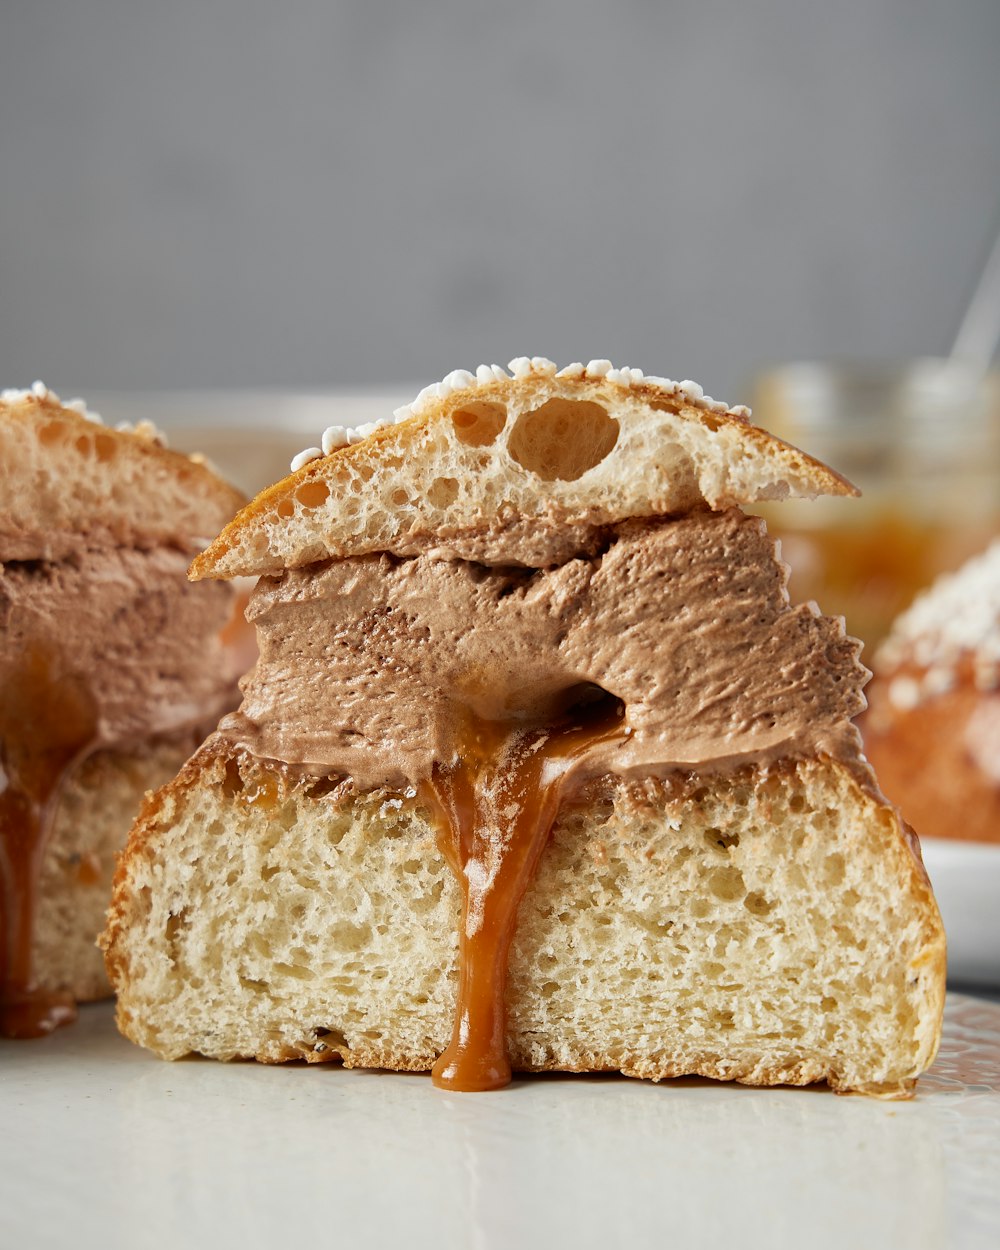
102,1145
966,880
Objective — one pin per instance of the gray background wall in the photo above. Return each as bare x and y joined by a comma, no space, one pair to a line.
223,193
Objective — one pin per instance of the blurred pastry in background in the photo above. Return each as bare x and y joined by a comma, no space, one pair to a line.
921,438
111,666
932,730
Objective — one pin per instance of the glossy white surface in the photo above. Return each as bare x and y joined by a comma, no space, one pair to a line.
966,880
103,1145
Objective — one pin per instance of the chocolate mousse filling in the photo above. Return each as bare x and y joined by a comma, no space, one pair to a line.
106,648
368,666
492,691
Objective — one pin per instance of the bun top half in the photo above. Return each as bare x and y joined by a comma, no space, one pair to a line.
514,468
68,481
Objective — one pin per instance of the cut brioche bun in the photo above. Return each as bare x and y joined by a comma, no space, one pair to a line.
766,923
67,481
768,926
520,470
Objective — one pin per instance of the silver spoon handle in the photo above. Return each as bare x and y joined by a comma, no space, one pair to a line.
979,333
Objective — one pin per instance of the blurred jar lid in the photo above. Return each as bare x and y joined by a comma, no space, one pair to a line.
879,418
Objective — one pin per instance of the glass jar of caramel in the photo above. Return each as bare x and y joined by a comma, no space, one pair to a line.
922,442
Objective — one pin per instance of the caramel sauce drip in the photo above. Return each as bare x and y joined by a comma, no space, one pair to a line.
494,812
48,723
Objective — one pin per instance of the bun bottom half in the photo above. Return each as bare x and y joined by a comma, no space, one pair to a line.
96,807
767,926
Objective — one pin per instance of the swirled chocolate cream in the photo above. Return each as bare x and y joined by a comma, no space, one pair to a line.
111,666
538,768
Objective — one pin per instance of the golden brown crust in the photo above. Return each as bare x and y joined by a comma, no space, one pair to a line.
395,448
792,1070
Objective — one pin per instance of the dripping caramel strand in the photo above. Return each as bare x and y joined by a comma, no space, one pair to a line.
494,811
48,725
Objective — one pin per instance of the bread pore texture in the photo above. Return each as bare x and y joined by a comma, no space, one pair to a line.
772,926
